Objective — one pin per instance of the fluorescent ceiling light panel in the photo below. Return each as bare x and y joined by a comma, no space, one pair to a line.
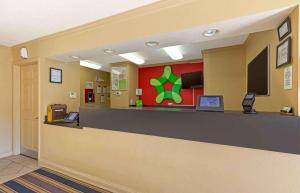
90,64
133,57
173,52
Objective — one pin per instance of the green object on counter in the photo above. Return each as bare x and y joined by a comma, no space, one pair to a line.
139,103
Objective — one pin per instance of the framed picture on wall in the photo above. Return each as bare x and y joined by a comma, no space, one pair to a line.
284,29
55,75
119,78
284,55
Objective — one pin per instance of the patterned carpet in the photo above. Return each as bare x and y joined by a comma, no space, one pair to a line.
45,181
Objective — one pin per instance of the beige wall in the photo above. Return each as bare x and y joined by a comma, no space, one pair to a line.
126,95
6,84
298,43
278,96
225,71
60,93
133,82
224,74
144,22
50,93
90,75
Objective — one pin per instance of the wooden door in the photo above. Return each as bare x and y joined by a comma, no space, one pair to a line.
29,108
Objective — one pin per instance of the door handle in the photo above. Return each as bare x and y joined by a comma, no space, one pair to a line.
36,118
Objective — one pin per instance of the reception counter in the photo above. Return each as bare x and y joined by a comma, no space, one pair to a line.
176,150
265,131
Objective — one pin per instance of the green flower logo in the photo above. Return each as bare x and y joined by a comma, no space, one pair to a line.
158,83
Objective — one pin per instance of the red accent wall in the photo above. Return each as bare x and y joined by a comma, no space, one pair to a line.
149,92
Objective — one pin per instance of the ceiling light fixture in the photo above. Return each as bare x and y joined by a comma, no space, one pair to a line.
109,51
133,57
24,53
173,52
74,57
90,64
210,32
152,44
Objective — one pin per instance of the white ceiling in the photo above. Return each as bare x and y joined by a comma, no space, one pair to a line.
190,51
191,41
24,20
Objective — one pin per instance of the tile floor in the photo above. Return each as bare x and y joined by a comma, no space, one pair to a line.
15,166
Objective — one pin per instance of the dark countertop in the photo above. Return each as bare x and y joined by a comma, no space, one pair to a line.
184,109
64,124
266,131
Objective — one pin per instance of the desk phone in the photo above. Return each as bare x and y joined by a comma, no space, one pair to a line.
248,103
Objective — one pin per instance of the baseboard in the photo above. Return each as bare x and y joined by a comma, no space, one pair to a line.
96,181
3,155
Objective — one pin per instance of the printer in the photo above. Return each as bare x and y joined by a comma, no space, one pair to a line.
56,112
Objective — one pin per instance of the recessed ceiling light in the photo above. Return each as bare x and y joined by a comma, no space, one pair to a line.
90,64
109,51
133,57
152,43
74,57
173,52
210,32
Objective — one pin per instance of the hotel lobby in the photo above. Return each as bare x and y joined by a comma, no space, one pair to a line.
150,96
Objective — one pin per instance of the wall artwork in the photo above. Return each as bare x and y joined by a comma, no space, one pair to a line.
119,78
99,90
55,75
284,29
162,94
284,53
149,93
89,85
288,78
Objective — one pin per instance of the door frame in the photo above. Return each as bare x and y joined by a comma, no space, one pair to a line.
17,103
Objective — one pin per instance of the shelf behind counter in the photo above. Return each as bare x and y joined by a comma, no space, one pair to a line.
266,131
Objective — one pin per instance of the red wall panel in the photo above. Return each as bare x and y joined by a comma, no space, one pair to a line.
149,92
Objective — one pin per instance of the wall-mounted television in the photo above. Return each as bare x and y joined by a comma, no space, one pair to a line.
192,80
258,74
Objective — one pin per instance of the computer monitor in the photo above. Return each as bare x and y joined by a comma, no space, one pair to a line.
210,103
71,117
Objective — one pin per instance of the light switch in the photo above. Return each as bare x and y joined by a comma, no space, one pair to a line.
138,92
73,95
